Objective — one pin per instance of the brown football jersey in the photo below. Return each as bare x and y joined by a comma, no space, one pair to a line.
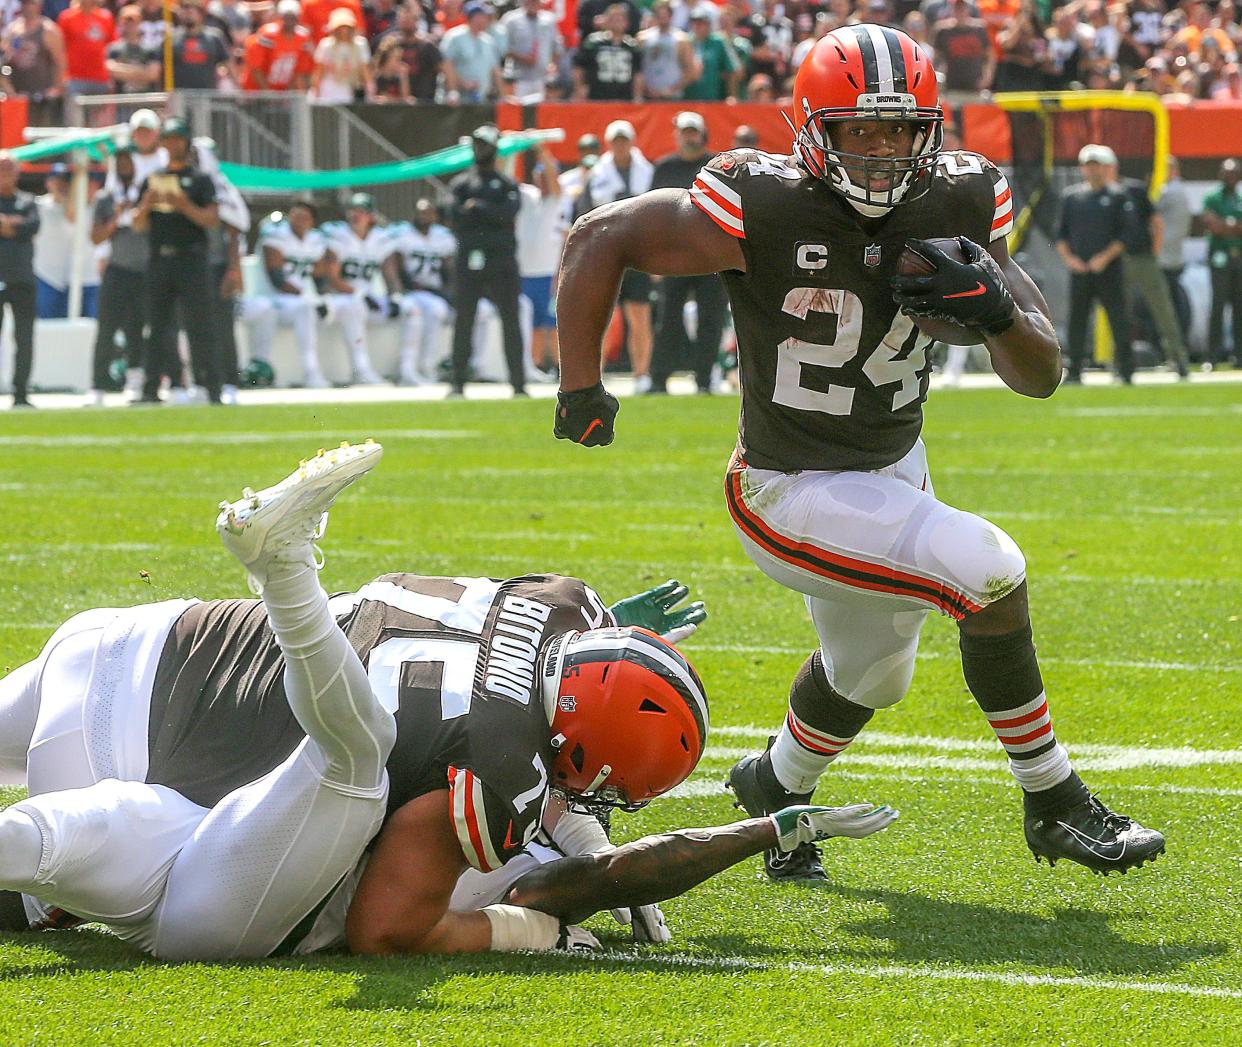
833,376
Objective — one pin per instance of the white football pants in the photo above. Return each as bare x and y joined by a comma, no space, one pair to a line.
288,310
182,881
353,316
873,553
423,316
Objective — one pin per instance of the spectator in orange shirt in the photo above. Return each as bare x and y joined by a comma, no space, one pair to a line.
88,29
315,15
280,56
996,15
1198,28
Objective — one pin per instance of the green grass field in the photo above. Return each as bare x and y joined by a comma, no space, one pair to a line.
943,930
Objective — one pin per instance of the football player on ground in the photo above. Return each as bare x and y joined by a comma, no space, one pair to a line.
357,248
205,778
293,253
829,489
419,270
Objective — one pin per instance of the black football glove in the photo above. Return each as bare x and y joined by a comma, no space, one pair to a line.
585,416
394,309
372,303
971,294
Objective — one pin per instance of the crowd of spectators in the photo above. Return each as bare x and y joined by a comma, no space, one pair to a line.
341,51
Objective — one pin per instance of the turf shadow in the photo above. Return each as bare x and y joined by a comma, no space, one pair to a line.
921,930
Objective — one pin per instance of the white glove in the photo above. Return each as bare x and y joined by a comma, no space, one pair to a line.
577,939
799,825
646,923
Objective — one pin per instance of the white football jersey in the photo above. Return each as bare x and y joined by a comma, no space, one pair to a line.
424,253
360,258
301,254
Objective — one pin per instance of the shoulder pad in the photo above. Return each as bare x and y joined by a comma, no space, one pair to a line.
983,181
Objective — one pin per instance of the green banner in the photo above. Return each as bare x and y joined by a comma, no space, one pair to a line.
99,144
432,165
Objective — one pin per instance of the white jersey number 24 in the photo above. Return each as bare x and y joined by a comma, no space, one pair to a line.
890,362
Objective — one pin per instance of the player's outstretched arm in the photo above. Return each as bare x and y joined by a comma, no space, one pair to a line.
1028,355
657,868
661,233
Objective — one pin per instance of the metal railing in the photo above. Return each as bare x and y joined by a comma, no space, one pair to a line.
278,129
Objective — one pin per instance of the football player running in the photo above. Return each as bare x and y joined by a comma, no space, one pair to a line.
829,488
293,253
206,778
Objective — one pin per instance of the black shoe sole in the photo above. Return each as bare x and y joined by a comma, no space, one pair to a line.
1121,868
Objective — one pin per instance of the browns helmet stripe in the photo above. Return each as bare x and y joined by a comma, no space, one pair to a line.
866,52
656,656
898,58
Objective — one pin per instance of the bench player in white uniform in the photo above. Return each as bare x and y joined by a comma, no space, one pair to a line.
357,248
292,253
140,731
421,263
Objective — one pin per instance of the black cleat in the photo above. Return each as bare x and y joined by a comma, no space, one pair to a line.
757,798
1091,835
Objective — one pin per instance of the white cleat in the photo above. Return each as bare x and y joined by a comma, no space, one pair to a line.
281,524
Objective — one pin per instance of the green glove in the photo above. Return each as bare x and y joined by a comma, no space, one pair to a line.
799,825
654,610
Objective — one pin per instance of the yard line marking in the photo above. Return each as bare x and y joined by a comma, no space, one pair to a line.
963,974
228,438
1152,412
1090,663
707,785
1099,757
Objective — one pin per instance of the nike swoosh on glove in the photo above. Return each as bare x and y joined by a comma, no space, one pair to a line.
577,939
808,824
586,416
646,924
971,293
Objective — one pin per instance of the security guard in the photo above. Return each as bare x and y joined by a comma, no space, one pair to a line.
178,207
19,222
484,209
1090,240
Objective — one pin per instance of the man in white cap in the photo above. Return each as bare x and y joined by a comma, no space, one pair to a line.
623,172
1089,240
678,171
144,135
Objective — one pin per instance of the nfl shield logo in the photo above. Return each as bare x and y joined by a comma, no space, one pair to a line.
871,255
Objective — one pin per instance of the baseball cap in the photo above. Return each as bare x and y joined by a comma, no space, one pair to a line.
588,142
477,7
289,7
703,13
690,119
620,129
58,170
362,202
1096,154
147,118
175,127
487,133
342,16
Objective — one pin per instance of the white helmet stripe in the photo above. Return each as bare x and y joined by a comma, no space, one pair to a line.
883,59
657,651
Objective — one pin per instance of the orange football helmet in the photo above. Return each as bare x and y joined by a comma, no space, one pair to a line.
868,72
630,718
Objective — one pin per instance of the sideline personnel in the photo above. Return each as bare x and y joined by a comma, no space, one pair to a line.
178,207
485,208
19,221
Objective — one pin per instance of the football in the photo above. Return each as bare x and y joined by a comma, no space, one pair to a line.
911,263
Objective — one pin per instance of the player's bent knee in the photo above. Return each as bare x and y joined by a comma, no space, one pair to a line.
882,683
979,558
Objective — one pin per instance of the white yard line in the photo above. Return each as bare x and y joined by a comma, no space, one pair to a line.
901,971
230,438
1090,663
